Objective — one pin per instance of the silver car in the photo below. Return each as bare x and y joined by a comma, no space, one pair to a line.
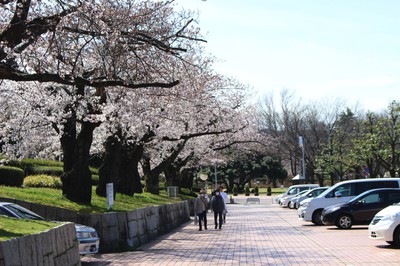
87,236
295,202
285,201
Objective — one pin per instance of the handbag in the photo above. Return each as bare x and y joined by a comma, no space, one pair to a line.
206,204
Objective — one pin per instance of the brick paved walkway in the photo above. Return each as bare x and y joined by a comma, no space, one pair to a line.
258,234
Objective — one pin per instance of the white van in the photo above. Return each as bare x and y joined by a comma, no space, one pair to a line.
295,189
310,210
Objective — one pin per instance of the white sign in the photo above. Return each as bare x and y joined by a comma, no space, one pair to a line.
110,195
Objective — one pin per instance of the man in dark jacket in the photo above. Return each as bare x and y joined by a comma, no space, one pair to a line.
218,207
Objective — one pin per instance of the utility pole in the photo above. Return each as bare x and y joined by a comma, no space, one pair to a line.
301,144
215,174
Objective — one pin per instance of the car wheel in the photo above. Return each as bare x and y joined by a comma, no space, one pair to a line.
317,217
290,205
344,222
396,237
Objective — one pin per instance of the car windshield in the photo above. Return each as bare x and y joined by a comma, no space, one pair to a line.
22,212
316,192
292,191
303,193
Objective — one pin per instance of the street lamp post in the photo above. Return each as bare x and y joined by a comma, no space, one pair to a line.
215,174
301,144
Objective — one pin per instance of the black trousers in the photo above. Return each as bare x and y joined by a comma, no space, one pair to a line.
218,215
202,218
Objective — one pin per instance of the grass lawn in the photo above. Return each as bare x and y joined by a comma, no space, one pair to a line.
13,228
53,197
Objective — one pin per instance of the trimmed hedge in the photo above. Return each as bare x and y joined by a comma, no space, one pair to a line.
11,176
47,170
33,167
43,181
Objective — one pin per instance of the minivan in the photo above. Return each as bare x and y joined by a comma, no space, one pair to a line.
295,189
311,209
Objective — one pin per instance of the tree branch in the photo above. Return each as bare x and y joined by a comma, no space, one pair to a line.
7,72
238,142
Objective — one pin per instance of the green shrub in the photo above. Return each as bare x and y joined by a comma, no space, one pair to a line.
256,191
33,166
30,161
11,176
247,190
43,181
188,192
235,190
269,191
46,170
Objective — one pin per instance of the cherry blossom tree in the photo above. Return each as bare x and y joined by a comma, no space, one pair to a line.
94,44
115,82
162,137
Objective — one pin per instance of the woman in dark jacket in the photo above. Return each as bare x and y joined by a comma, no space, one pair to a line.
218,207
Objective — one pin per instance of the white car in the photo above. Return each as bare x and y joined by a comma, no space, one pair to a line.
87,236
285,201
386,225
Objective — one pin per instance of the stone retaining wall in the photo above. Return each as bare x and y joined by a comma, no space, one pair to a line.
120,230
57,246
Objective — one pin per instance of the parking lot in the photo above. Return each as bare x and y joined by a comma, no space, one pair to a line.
258,234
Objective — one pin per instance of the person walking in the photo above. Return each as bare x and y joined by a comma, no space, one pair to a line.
218,207
201,208
226,200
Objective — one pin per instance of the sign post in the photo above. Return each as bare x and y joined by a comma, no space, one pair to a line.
110,195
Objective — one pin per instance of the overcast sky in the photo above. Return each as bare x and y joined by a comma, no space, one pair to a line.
347,49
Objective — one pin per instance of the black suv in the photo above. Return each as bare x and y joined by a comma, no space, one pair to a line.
360,210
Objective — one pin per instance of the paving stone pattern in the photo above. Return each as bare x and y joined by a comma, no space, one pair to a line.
257,234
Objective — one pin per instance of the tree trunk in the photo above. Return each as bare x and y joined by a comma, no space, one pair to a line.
110,169
68,140
77,183
129,180
151,178
172,176
186,178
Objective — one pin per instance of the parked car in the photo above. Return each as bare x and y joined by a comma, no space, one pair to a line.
295,189
295,201
360,209
310,210
386,225
285,201
87,236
